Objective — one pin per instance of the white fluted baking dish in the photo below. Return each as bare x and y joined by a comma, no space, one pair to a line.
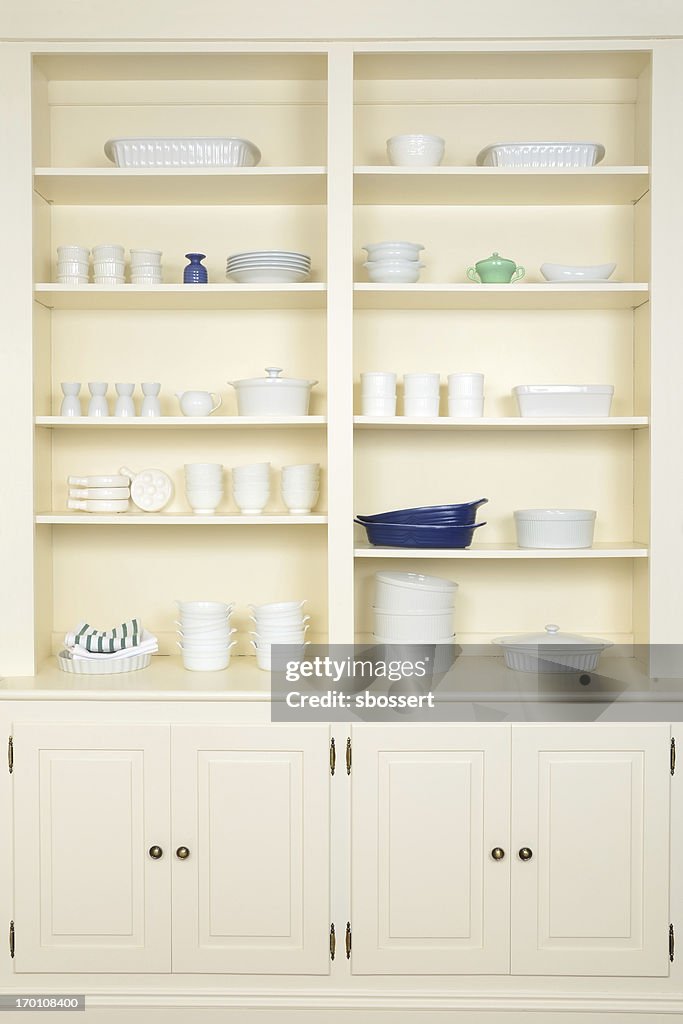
187,152
551,651
555,527
541,154
102,666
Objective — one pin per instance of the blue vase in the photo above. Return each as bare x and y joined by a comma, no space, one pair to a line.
194,272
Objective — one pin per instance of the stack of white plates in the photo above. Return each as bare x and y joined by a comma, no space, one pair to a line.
281,623
204,635
269,266
412,608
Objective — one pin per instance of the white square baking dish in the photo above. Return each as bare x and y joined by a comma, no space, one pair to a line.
590,400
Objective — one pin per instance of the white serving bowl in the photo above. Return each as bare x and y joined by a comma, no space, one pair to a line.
251,492
465,406
555,527
415,150
560,273
420,406
393,271
564,399
414,626
393,250
406,591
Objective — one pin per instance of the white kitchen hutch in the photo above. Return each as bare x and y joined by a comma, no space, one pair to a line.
169,849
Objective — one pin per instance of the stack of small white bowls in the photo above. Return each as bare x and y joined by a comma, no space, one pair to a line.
411,608
465,394
415,150
301,487
109,264
393,262
421,394
204,486
204,635
378,394
281,623
72,264
145,266
251,487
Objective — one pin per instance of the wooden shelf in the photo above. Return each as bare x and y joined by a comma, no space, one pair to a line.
171,186
182,296
175,422
499,186
500,423
626,549
189,519
500,296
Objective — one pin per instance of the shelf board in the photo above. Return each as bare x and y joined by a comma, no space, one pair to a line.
626,549
175,422
499,186
188,519
500,423
172,186
500,296
182,296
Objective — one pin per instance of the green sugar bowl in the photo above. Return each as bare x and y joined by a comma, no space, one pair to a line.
495,270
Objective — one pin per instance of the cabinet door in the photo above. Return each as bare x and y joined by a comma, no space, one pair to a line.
592,805
251,803
429,804
89,801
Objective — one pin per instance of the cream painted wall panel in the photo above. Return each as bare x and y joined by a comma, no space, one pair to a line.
428,805
88,896
593,806
252,805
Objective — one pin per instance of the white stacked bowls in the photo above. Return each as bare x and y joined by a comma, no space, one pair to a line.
421,394
415,150
301,487
465,394
72,264
204,486
378,394
413,608
283,622
145,266
393,262
109,264
251,487
204,635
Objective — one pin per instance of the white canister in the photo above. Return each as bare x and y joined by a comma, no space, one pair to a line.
371,406
465,385
465,406
420,406
555,527
421,385
378,385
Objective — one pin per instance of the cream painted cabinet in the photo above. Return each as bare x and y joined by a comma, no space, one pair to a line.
89,802
582,815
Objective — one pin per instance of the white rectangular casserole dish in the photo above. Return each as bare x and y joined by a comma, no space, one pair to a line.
187,152
541,154
564,399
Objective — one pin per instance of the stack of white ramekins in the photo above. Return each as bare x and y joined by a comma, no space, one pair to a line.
204,635
393,262
378,394
204,486
411,608
421,394
283,622
251,487
109,264
465,394
73,263
301,487
145,266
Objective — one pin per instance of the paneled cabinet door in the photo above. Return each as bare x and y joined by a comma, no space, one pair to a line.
591,806
430,804
89,802
251,849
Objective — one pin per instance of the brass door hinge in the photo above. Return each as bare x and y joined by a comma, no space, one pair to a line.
672,756
348,940
11,939
333,942
10,754
348,756
672,943
333,756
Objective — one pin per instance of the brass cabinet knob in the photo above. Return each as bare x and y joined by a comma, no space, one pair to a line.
525,853
155,852
497,853
182,853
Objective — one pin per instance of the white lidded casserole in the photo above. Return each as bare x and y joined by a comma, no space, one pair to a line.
551,651
273,395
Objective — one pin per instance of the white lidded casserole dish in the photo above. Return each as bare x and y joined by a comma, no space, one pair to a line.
541,154
273,395
182,152
551,651
555,527
564,399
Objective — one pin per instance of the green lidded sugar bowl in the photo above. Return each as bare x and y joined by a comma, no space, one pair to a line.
495,270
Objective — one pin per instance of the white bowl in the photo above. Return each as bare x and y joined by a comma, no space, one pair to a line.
406,591
73,252
146,256
108,252
210,608
393,250
413,626
277,607
560,273
378,385
465,385
421,385
415,150
215,662
393,272
555,527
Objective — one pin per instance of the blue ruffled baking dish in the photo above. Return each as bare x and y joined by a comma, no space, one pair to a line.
411,535
460,514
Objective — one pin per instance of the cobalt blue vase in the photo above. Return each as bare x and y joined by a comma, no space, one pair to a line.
194,272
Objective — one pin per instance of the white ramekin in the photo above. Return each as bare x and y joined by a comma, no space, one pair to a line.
555,527
378,385
420,406
371,406
465,406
